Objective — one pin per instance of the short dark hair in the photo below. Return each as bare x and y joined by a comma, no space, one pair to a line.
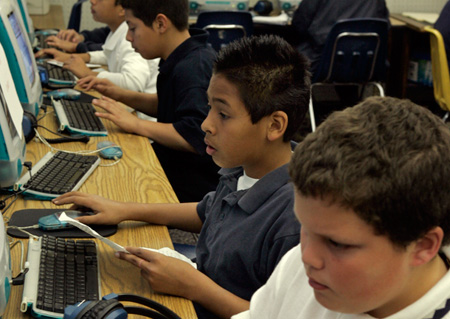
386,159
177,11
270,75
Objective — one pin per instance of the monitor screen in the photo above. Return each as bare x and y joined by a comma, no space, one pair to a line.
24,50
8,117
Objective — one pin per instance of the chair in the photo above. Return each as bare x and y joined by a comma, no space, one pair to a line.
225,26
353,62
75,16
439,70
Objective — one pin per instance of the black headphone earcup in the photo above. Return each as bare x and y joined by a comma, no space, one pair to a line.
29,123
102,309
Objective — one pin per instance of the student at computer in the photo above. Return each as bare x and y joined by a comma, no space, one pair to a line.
314,19
258,97
159,29
73,42
126,68
371,192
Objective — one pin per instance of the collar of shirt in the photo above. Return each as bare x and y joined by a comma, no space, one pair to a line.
198,39
251,199
116,37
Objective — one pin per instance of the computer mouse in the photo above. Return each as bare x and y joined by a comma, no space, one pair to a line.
68,94
113,151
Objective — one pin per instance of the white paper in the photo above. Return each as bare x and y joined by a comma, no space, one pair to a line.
10,93
172,253
60,64
91,232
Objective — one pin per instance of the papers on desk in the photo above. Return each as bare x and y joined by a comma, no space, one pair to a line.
60,64
165,250
281,19
430,18
91,232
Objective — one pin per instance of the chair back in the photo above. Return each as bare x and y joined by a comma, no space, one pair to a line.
355,52
439,69
75,16
225,26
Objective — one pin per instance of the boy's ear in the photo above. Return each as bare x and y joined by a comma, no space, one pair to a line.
427,247
278,122
161,22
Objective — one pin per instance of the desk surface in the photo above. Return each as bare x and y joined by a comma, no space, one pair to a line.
137,178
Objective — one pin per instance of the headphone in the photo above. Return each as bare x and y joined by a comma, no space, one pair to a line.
29,124
110,308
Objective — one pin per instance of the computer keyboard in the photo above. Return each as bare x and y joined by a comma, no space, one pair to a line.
78,117
56,174
62,272
57,77
41,44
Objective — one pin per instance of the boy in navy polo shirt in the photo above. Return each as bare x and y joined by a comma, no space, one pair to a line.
159,29
258,97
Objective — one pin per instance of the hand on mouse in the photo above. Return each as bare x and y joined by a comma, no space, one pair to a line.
107,212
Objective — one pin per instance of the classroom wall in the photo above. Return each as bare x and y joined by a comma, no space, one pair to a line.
398,6
87,23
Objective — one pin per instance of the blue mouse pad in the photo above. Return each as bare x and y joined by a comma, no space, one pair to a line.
30,217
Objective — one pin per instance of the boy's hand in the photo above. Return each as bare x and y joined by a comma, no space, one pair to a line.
103,86
116,113
107,212
66,46
78,67
164,274
70,35
55,53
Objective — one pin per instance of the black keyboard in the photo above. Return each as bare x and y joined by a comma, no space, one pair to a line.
58,73
82,116
41,41
62,173
68,273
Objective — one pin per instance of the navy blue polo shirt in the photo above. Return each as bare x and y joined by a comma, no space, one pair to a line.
245,233
182,100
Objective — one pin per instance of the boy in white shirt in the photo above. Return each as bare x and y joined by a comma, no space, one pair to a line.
372,197
126,67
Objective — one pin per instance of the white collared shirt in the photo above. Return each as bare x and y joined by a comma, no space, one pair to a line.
126,68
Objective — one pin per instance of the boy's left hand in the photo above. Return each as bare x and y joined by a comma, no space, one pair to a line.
164,274
117,113
78,67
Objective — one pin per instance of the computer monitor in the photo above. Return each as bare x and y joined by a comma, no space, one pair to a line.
27,21
12,146
5,268
20,57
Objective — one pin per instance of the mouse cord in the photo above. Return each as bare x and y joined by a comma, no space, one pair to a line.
81,152
23,229
111,164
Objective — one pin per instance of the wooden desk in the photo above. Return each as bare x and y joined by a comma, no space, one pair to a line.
137,178
54,19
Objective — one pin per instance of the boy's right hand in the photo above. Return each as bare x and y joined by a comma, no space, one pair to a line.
70,35
107,212
103,86
66,46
